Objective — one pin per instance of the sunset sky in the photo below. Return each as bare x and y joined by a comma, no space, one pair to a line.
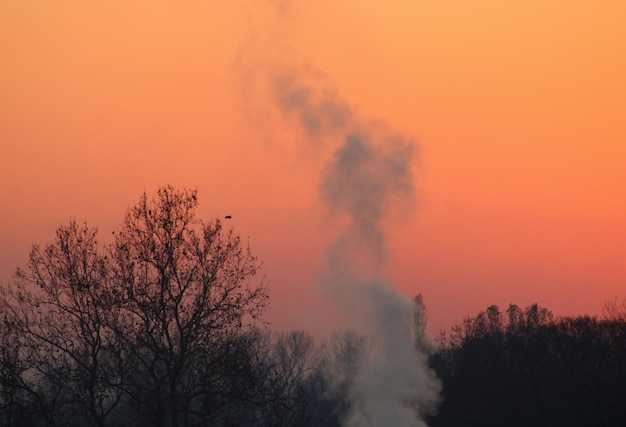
517,108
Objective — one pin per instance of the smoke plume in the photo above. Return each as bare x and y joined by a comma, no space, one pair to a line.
369,177
366,182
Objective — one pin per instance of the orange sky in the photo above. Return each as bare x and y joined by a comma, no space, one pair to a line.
519,109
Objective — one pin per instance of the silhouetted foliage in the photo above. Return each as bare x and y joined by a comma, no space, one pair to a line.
524,367
161,328
13,409
615,310
421,340
342,358
59,309
155,329
185,300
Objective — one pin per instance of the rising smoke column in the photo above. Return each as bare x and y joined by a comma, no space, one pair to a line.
368,178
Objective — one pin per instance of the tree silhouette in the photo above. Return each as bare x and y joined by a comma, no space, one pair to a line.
155,329
185,297
526,367
59,308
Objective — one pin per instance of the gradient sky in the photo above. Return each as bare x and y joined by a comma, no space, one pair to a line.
519,110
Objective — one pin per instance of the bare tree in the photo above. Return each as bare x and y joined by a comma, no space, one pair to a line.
343,356
290,365
615,309
421,340
187,294
158,328
59,308
12,403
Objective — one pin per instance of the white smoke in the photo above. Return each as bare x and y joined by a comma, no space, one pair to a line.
368,178
367,181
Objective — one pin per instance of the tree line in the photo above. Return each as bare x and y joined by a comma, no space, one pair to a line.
526,367
161,327
164,327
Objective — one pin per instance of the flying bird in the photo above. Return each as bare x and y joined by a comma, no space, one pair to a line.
228,217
